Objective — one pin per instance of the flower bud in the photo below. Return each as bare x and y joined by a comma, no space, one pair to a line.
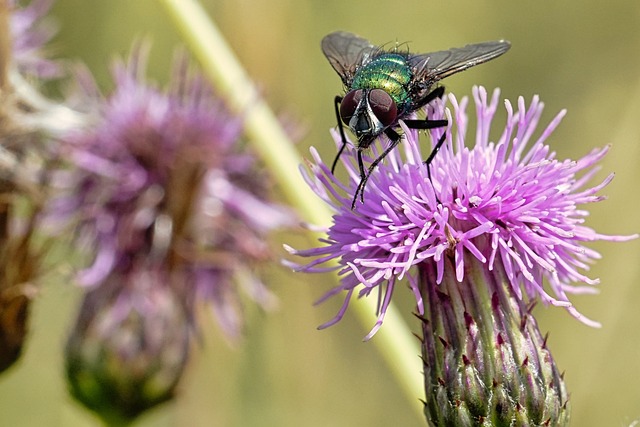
485,361
129,346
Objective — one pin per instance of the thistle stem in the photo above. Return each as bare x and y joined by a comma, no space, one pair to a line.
396,344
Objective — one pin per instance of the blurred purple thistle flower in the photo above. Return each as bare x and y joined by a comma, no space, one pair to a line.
495,200
169,208
160,179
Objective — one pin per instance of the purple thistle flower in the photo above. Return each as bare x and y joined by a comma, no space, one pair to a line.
168,207
498,224
160,178
499,201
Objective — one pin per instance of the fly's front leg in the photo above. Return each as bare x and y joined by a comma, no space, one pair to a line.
336,104
395,140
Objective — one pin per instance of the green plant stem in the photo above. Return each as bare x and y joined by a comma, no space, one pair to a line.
396,343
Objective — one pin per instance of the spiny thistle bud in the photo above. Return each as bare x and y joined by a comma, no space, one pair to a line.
485,361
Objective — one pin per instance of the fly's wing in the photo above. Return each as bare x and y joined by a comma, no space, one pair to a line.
346,52
431,67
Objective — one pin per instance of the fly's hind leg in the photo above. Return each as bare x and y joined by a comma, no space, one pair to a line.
430,124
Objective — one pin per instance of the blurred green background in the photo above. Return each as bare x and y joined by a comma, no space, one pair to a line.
582,56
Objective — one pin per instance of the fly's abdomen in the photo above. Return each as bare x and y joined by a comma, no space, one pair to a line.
388,72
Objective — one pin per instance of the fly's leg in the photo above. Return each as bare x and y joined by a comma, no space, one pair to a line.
434,94
433,153
395,140
430,124
336,105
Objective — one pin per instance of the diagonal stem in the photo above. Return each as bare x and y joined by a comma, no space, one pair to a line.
396,344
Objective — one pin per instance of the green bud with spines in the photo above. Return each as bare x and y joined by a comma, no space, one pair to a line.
485,362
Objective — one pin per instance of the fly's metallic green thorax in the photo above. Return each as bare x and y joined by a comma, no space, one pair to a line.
389,72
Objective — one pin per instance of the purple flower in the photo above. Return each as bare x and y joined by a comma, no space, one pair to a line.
173,214
161,180
497,226
509,202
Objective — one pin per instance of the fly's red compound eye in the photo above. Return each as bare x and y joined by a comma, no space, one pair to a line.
383,106
349,104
